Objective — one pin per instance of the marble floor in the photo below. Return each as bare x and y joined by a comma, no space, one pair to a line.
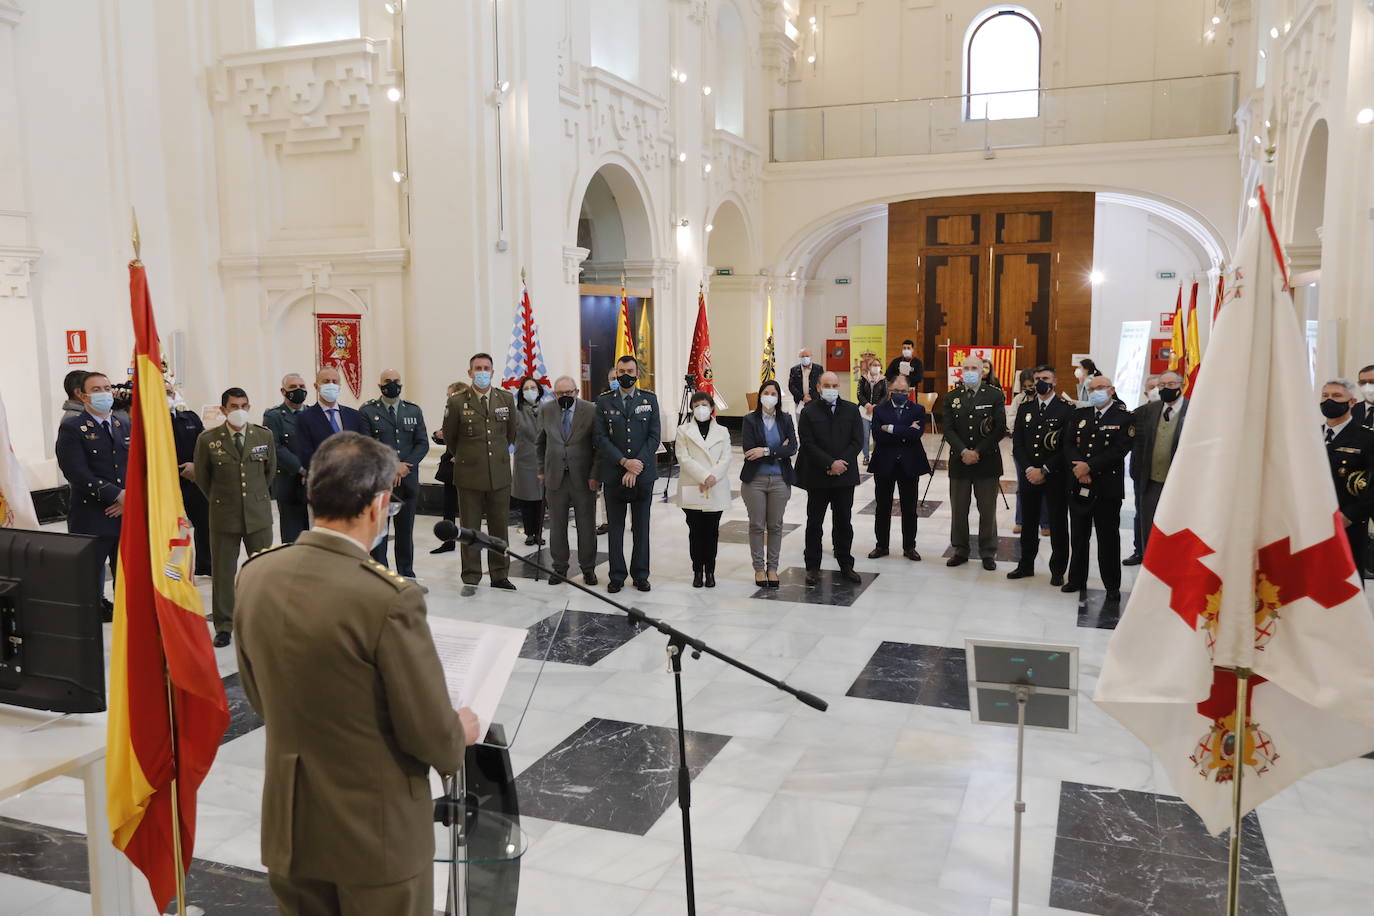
892,802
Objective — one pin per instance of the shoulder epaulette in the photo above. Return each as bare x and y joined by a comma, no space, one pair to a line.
381,572
265,550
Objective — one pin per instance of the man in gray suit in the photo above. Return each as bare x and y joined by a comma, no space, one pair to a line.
567,455
1158,426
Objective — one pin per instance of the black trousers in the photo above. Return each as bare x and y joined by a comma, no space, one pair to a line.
450,501
840,502
294,518
531,515
198,514
908,489
615,538
403,535
1104,515
1358,535
703,537
1044,505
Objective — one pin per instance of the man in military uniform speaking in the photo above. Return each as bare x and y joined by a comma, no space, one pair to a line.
975,421
627,436
235,464
1099,439
479,431
1037,442
401,425
1350,447
336,657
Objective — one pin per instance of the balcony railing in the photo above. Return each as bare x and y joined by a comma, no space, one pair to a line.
1163,109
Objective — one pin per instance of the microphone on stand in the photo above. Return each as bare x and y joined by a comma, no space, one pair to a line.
448,532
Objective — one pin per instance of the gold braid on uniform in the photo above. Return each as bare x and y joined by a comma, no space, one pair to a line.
254,556
381,572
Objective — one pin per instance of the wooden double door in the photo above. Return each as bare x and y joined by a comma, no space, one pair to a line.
988,270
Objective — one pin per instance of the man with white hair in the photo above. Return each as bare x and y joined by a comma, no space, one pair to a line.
975,423
1159,427
1100,438
567,460
1350,448
804,380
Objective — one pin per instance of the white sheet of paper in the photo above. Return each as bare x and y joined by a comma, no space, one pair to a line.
477,659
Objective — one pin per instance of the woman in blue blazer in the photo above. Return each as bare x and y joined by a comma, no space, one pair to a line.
770,441
899,460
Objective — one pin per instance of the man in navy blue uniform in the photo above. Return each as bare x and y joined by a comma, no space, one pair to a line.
627,437
93,452
186,429
1095,449
1043,422
325,417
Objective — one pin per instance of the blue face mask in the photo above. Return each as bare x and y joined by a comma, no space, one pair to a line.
1099,397
102,401
972,377
899,398
482,378
329,392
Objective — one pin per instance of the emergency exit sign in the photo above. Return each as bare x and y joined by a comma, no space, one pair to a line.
1166,275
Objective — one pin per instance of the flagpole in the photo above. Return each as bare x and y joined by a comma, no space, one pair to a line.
176,804
1237,769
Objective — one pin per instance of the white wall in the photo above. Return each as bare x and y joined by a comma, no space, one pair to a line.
862,257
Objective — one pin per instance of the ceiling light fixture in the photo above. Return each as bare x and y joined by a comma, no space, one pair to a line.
706,168
1365,116
394,93
709,227
398,176
705,90
1216,20
1252,202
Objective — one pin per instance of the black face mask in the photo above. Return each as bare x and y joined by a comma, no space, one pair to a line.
1334,410
566,400
1169,395
625,380
391,389
1043,387
296,396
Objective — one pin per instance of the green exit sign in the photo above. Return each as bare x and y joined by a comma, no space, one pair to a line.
725,272
841,281
1166,275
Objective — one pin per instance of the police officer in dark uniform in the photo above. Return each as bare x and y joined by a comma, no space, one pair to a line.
627,437
288,489
1095,449
186,428
93,452
401,425
1037,440
1363,411
1350,448
975,423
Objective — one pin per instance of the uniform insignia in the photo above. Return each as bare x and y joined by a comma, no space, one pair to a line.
1130,431
385,575
1342,448
1357,483
1082,423
644,408
265,550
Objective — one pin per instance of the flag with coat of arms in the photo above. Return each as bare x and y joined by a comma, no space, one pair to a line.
1247,567
524,356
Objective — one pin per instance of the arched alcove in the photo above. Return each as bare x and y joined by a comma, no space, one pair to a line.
732,304
731,58
291,318
1309,202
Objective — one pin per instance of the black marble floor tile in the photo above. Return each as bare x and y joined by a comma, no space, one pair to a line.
612,775
921,675
58,857
579,637
1119,851
1008,549
923,510
541,556
833,590
737,532
242,718
1094,610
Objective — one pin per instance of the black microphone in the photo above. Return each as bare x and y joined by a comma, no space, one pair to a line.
447,532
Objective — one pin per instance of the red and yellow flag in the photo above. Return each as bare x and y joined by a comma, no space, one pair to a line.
1177,345
624,335
167,706
1193,344
699,358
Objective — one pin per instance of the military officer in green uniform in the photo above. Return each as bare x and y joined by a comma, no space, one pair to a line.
1100,437
235,464
401,425
289,487
975,422
479,432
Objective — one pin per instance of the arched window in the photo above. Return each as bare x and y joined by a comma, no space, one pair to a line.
1002,66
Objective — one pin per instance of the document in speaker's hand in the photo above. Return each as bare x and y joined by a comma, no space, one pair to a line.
478,659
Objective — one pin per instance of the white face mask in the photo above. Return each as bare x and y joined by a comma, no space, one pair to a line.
831,395
702,412
531,395
238,418
172,401
1153,394
382,510
1078,373
806,360
1368,389
906,351
875,373
768,400
329,392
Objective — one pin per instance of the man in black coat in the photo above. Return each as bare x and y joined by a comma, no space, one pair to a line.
1037,442
908,364
1350,449
1096,448
1363,412
186,429
831,434
802,380
899,460
1158,430
289,487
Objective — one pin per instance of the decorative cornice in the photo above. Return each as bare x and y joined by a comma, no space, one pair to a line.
10,12
16,267
572,262
316,267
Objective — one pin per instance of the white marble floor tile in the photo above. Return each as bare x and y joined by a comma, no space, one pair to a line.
802,830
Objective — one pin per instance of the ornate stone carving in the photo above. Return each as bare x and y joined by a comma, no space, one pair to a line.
619,115
739,164
572,262
16,266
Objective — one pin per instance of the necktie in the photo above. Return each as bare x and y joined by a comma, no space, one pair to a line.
567,423
392,411
1042,408
1330,434
105,424
1168,413
483,399
238,442
334,419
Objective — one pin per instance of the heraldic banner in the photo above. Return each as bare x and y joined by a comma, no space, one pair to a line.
1003,365
340,345
866,342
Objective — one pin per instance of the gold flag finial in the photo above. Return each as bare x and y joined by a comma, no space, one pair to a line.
522,275
133,214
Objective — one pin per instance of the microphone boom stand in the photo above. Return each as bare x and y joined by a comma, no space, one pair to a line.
678,643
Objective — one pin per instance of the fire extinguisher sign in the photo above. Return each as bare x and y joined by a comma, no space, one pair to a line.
76,348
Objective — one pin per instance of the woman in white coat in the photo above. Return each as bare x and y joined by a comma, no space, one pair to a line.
703,487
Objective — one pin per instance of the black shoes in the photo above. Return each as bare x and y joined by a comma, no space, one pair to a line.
1019,573
614,587
107,610
851,574
602,529
1072,587
911,554
558,576
1056,579
710,577
877,552
642,584
222,639
506,584
1114,595
448,547
696,578
813,577
989,564
1133,560
956,561
588,577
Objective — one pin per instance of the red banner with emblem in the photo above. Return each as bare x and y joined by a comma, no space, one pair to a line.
339,338
1003,359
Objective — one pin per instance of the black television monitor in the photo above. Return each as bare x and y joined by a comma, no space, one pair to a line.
52,644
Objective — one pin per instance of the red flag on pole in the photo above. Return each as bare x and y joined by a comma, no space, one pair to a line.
1192,343
699,361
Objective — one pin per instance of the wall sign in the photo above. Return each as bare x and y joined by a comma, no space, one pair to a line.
841,324
76,349
1165,274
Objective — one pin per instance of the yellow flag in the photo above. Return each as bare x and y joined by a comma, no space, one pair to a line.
624,338
645,350
768,363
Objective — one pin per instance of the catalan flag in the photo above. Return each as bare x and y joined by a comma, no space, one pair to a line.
624,335
167,706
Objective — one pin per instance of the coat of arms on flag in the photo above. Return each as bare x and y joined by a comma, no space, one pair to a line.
524,356
339,340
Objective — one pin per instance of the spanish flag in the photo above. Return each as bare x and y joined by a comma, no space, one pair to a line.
1193,344
624,335
167,706
1176,343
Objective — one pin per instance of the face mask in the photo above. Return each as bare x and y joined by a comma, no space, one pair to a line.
329,392
238,418
1334,410
906,351
102,401
382,511
1368,389
899,398
875,373
831,395
1152,394
391,389
702,412
768,400
1099,397
625,380
565,401
1169,395
172,401
295,396
972,377
806,360
1043,387
482,378
530,395
1078,374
